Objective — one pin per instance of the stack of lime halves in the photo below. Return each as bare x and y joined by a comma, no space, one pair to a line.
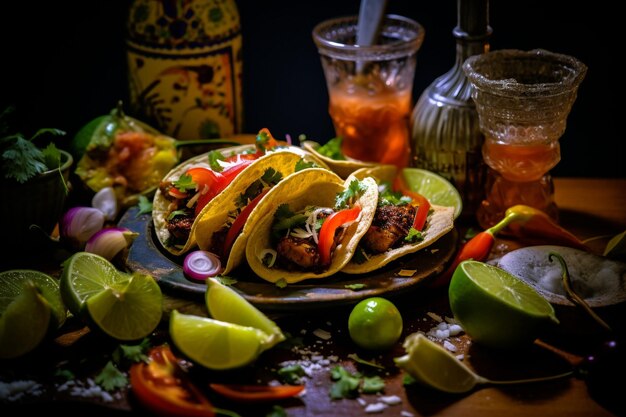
124,306
235,336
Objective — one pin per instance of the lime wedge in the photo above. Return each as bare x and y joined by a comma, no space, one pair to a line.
433,366
123,306
12,283
24,322
129,310
215,344
434,187
225,304
496,308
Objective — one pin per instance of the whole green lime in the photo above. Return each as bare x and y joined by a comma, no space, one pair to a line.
375,323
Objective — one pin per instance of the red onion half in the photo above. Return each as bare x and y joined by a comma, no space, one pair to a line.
201,264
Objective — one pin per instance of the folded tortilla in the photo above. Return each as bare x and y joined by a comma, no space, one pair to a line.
438,223
312,187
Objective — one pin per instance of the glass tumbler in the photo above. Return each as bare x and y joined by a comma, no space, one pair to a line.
523,99
370,87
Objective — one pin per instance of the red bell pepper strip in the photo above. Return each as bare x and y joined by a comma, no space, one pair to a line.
238,224
162,386
216,181
423,204
257,393
329,227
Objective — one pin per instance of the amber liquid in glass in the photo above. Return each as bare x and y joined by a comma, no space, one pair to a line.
518,175
374,124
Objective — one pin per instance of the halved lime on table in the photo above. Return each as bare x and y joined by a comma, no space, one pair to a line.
30,306
434,187
496,308
124,306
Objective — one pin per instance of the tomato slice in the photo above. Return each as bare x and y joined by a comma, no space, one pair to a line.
204,176
423,204
256,393
237,225
162,386
330,225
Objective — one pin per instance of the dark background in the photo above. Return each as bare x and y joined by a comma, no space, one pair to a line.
64,63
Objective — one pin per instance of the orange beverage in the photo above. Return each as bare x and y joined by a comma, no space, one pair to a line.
374,125
521,162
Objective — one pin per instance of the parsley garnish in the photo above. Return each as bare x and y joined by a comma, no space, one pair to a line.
302,164
184,183
332,149
291,374
372,384
281,283
387,197
145,206
408,379
414,236
214,157
131,353
177,213
347,197
269,178
111,378
346,384
354,287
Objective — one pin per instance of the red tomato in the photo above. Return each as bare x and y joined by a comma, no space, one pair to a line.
204,176
330,225
237,225
162,386
257,393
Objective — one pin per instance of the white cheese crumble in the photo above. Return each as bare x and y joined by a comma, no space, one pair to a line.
375,408
391,399
15,390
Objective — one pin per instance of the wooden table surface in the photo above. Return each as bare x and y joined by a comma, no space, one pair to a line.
588,207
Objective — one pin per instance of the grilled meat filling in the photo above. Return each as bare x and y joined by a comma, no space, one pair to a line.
390,226
179,228
298,251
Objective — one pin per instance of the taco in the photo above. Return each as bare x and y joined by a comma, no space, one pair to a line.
330,153
309,225
191,188
393,232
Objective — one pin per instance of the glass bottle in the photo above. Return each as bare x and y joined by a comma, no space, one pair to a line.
446,138
185,66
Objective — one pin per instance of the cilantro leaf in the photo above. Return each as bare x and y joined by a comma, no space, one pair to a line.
177,213
271,176
281,283
65,374
21,160
291,374
346,384
302,164
408,379
145,206
226,280
277,411
111,378
354,287
414,236
52,156
132,353
184,183
347,197
387,197
214,157
372,384
332,149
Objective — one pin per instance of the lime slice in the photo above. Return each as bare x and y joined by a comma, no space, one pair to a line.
435,188
496,308
12,283
215,344
129,310
433,366
225,304
24,322
123,306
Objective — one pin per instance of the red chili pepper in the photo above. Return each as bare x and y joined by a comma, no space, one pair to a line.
257,393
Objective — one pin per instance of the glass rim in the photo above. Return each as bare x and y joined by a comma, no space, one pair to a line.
575,72
400,46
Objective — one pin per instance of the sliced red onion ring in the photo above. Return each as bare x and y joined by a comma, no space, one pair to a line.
201,264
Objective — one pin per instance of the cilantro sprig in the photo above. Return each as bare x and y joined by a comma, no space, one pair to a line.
347,197
332,149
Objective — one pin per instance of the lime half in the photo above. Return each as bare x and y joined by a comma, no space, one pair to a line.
225,304
433,366
215,344
126,307
434,187
496,308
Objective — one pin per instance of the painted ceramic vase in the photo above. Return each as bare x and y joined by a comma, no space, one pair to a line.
185,65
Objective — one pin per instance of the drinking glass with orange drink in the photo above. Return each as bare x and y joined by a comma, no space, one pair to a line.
523,99
370,87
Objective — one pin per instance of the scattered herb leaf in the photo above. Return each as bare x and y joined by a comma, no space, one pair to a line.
354,287
145,206
291,374
277,411
281,283
226,280
347,197
131,353
414,236
214,157
346,384
372,384
357,359
332,149
177,213
65,374
184,183
407,379
302,164
111,378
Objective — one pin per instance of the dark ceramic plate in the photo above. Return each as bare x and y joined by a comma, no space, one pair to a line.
147,256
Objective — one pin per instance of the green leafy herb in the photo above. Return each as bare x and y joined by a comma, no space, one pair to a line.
332,149
184,183
387,197
357,359
347,197
414,236
277,411
302,164
269,178
214,157
291,374
111,378
131,353
354,287
177,213
65,374
470,233
145,206
281,283
372,384
224,412
407,379
226,280
346,384
285,219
